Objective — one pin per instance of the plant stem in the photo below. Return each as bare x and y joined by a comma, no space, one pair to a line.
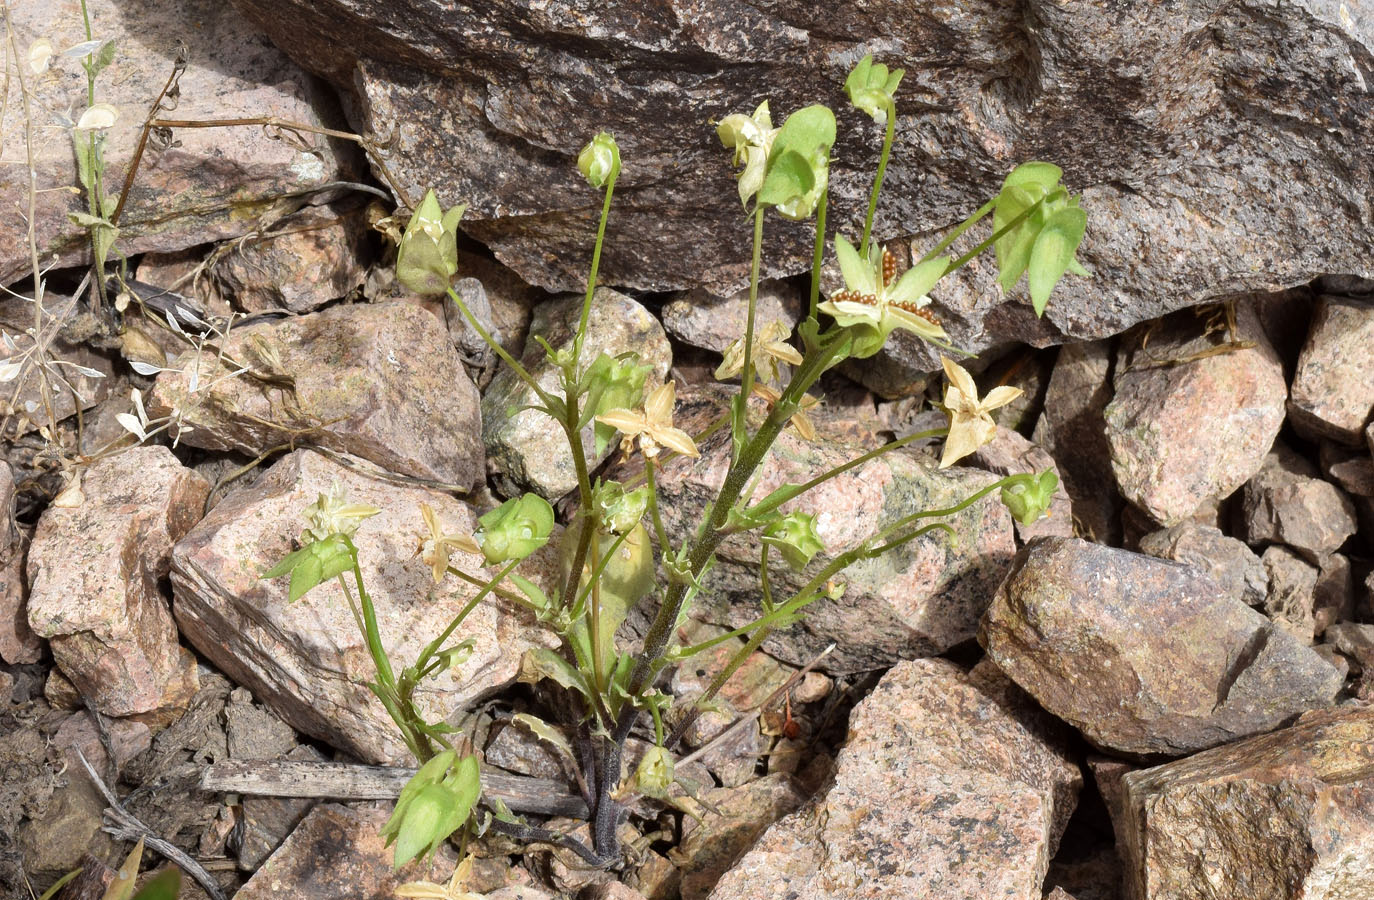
958,230
878,178
818,254
519,370
718,682
596,265
996,235
747,376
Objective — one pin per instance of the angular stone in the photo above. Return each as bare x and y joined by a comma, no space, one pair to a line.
705,320
1333,597
946,787
300,264
1232,565
24,403
1292,587
528,451
1073,430
1011,454
1355,640
1176,666
213,183
919,599
94,574
337,851
1131,90
1286,502
1284,815
1333,388
732,820
1351,470
307,660
380,382
1164,463
18,643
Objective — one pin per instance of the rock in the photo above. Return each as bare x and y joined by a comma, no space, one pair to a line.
1073,430
1292,584
1350,470
1286,815
253,732
213,183
515,749
66,326
1011,454
94,574
265,822
379,382
1333,597
337,851
1333,388
78,733
946,787
307,660
18,643
299,264
732,820
1108,99
612,890
752,683
1164,463
528,451
1232,565
1286,502
705,320
917,600
1176,666
1355,640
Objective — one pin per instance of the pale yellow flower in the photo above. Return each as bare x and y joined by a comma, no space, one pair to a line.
652,425
800,420
331,513
770,348
456,889
435,549
970,422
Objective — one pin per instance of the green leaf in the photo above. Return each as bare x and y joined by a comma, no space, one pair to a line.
308,573
103,58
530,590
165,885
1041,174
1053,252
540,663
1013,248
739,428
286,565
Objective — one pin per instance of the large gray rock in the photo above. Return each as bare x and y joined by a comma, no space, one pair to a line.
213,183
1175,665
1288,816
951,785
1233,142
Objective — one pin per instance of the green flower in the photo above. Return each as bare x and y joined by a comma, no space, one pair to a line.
874,306
332,514
1043,244
312,564
515,529
612,383
751,137
870,87
794,536
434,803
599,161
620,510
428,256
655,772
799,163
1028,497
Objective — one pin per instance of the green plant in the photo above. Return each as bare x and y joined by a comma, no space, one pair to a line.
615,544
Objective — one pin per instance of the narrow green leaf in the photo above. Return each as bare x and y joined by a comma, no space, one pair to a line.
165,885
1053,252
286,565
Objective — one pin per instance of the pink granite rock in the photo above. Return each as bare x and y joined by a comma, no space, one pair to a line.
1287,502
307,660
1333,387
300,264
18,643
1165,463
380,382
94,574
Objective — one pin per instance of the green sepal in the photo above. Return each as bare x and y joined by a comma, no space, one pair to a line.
1053,252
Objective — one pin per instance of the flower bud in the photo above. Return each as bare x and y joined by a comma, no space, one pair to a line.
621,510
794,536
655,773
428,256
1028,497
871,87
515,529
599,161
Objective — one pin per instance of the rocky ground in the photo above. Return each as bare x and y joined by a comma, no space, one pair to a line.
1163,690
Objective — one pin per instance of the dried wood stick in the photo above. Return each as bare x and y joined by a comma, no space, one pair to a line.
342,781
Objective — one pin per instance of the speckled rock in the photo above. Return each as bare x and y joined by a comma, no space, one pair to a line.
1289,601
1254,195
18,643
337,851
1286,815
94,574
66,325
307,660
705,320
299,264
1333,596
1164,463
1355,640
918,600
1286,502
528,451
732,820
1073,430
380,382
1348,468
948,787
1232,565
1333,388
1011,454
1176,666
213,183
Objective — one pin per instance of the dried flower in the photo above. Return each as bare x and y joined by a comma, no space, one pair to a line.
770,348
970,422
435,549
652,425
